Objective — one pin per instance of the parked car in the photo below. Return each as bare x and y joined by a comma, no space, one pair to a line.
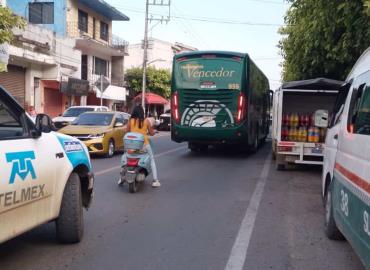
45,176
165,121
73,112
102,132
346,170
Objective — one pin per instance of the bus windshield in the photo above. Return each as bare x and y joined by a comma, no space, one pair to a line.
209,73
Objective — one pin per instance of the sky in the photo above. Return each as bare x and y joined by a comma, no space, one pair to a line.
248,26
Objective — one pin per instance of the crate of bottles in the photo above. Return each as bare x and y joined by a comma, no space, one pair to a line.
301,128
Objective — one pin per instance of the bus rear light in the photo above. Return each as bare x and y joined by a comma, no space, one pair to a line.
175,107
241,108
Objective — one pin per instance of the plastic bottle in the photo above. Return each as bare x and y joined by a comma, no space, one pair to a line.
286,120
304,134
301,120
306,120
312,120
296,120
310,134
295,134
291,120
284,133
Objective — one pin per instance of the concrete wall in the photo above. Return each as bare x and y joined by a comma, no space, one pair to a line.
118,70
20,7
158,49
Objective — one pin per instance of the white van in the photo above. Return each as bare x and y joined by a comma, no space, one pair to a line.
346,170
45,176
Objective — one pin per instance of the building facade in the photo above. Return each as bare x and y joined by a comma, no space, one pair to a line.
160,53
64,39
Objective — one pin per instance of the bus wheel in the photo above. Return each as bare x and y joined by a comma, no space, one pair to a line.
254,147
195,147
331,229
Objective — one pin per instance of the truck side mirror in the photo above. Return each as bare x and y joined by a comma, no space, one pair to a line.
44,124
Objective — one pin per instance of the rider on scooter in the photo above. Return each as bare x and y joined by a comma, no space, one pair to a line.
138,123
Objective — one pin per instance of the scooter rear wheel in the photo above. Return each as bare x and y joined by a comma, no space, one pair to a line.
132,187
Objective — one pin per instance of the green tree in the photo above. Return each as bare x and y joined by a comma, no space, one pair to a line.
323,38
9,21
158,81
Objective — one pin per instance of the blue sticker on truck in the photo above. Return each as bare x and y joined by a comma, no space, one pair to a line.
74,150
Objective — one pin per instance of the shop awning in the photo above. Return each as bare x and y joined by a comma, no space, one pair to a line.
151,98
113,93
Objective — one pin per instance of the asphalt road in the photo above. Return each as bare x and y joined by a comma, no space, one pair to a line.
215,210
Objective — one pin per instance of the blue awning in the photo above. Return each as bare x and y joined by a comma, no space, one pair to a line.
105,9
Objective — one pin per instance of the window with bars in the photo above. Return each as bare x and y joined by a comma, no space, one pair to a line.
83,20
41,13
101,66
104,31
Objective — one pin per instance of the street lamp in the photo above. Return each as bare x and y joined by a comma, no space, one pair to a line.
144,77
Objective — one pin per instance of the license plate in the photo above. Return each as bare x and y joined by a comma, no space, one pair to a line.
130,177
207,118
316,151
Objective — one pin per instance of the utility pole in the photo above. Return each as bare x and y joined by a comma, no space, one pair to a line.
145,54
161,19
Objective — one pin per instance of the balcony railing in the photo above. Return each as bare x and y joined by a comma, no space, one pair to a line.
120,43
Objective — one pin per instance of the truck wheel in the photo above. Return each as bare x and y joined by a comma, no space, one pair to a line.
69,224
280,166
254,148
331,229
111,148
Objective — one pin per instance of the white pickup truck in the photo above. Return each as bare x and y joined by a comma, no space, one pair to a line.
301,99
45,176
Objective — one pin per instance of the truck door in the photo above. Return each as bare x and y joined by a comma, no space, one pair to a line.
27,175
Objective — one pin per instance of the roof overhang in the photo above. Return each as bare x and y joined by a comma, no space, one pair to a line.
314,84
105,9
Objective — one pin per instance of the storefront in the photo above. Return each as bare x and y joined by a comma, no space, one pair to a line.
14,82
54,101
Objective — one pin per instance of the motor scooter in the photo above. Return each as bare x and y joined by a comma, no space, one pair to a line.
135,162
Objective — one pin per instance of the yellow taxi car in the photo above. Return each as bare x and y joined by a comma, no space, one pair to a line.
102,132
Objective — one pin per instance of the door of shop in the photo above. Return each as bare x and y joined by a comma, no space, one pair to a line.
14,82
53,102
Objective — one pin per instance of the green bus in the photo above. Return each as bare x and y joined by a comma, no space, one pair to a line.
219,98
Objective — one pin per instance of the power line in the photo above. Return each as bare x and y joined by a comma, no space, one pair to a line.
208,19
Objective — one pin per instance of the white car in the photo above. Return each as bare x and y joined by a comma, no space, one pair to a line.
45,176
73,112
346,171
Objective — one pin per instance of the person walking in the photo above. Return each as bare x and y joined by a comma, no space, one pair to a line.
139,124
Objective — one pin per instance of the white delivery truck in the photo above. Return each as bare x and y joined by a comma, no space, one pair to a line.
301,110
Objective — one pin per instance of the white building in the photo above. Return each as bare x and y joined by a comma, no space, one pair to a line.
160,54
38,60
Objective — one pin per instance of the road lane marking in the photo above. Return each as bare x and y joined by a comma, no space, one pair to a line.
238,253
161,135
156,156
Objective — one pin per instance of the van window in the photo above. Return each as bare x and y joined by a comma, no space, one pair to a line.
10,125
359,114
